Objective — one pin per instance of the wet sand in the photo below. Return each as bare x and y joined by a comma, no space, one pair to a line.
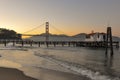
13,74
47,74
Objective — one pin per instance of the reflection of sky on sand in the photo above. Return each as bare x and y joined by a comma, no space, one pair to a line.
9,64
27,62
22,60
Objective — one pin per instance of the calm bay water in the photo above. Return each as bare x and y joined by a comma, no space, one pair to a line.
90,62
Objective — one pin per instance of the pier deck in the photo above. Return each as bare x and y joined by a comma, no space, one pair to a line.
96,44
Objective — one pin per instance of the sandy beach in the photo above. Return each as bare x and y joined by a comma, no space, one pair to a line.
45,74
13,74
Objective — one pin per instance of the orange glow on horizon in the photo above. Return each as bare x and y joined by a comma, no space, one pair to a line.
63,30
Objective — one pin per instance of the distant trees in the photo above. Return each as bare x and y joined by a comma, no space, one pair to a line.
9,34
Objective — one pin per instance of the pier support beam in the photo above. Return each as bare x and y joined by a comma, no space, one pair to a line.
5,43
13,43
22,43
39,44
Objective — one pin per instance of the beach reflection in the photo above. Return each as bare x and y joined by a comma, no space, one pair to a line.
9,64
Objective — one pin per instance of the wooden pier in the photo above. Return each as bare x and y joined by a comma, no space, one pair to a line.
96,44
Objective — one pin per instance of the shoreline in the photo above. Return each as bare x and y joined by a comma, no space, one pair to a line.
45,74
13,74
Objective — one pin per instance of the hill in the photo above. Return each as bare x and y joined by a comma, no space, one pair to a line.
9,34
61,37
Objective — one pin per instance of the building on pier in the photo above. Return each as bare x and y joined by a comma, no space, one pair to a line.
95,36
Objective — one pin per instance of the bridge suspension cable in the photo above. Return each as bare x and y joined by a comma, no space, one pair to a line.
30,30
33,28
57,29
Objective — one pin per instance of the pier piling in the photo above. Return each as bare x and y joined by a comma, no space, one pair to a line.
109,39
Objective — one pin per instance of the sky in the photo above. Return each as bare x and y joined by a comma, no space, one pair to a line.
65,16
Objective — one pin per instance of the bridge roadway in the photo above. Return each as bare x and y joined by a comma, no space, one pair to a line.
96,44
30,34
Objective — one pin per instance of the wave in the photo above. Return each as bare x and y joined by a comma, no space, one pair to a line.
77,68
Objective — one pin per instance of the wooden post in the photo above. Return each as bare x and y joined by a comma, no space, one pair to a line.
117,45
5,43
63,44
22,42
47,44
31,43
54,43
38,44
109,39
13,43
68,44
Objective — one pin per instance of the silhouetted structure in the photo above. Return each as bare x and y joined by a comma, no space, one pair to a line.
109,39
47,31
9,34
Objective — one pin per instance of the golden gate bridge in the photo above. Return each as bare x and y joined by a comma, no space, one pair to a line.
108,43
46,25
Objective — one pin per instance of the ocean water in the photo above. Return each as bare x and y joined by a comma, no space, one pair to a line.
89,62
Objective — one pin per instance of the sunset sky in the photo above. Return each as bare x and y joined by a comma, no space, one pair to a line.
69,16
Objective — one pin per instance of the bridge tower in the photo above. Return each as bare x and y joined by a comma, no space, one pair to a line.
109,41
47,31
